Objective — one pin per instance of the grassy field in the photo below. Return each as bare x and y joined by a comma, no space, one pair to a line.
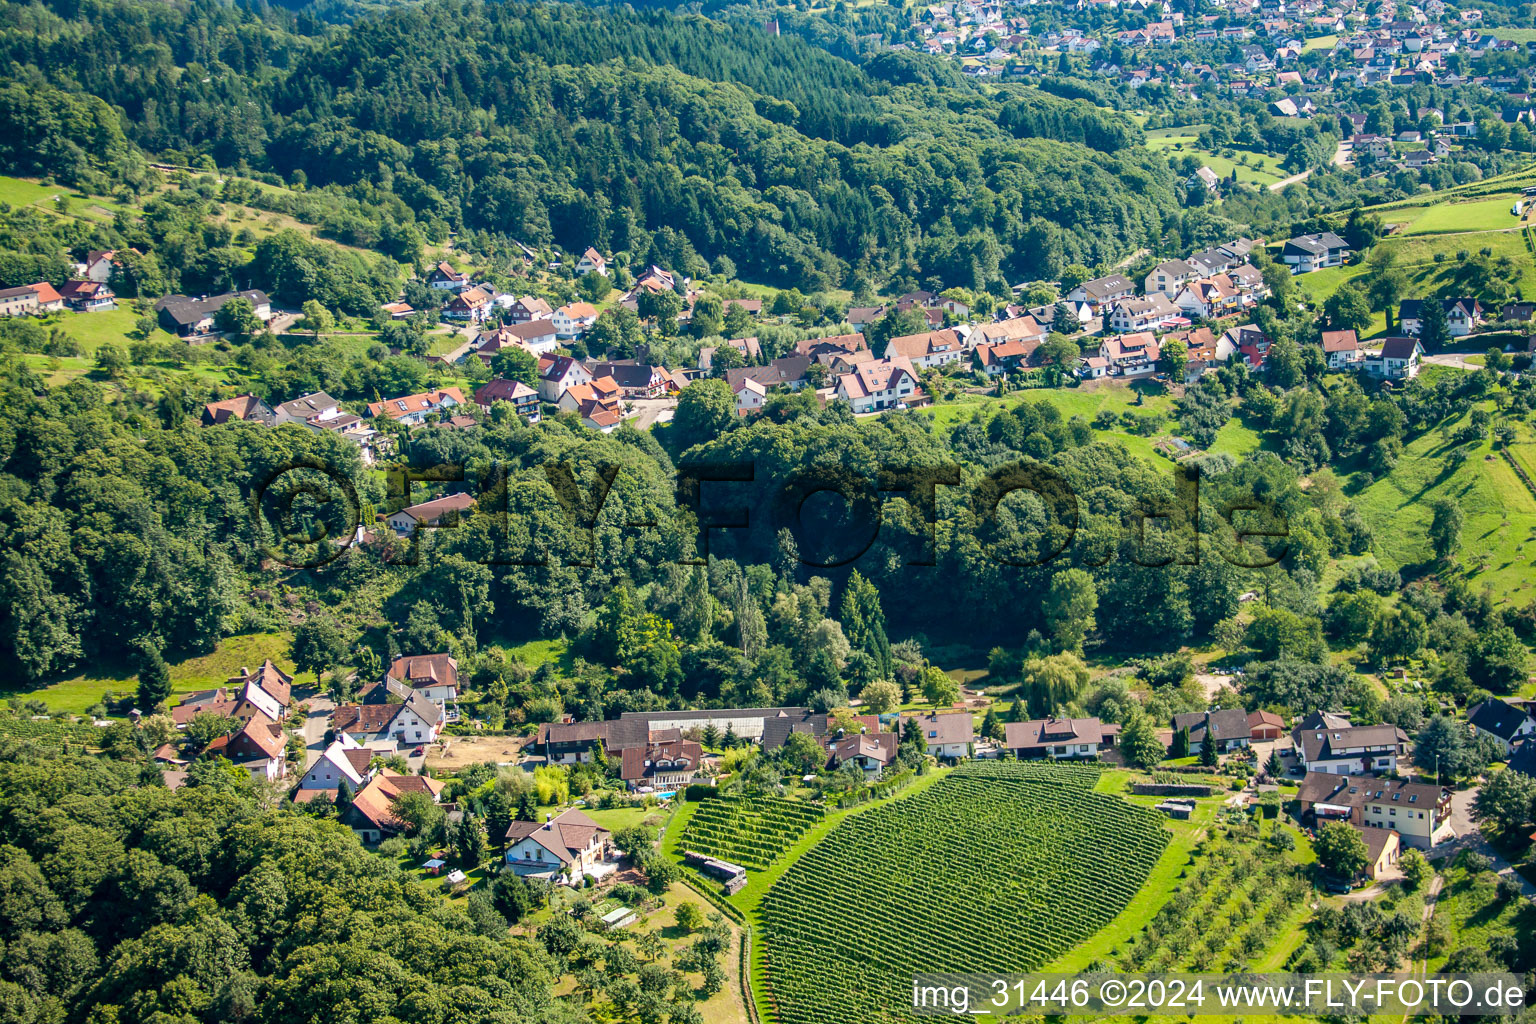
196,673
1499,538
1469,907
1474,215
1320,43
1416,255
1252,168
1114,396
28,192
1519,35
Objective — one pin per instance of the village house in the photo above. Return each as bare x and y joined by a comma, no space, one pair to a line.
787,372
445,278
434,676
524,400
573,319
1227,728
1462,316
871,753
634,379
592,262
945,735
1058,738
933,348
824,350
527,308
596,402
241,407
557,374
1307,253
472,305
344,762
1246,343
661,767
88,296
372,811
1130,355
1327,743
307,409
751,352
416,720
1383,849
1026,330
1342,348
1502,722
1419,812
536,337
1004,357
414,409
750,395
881,384
399,310
860,317
1102,291
430,513
1169,277
561,849
1398,359
260,747
1148,314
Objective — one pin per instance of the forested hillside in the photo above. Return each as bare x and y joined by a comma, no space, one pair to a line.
676,136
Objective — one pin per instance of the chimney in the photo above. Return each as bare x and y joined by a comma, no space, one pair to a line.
548,819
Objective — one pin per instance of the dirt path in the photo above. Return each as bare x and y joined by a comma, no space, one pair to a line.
1339,159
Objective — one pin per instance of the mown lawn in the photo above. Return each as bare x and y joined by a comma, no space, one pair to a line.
1416,255
196,673
1475,215
1252,168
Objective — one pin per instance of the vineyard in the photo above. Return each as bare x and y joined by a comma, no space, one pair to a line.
1225,912
998,867
752,832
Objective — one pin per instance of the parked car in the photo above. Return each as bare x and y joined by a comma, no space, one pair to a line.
1338,886
419,751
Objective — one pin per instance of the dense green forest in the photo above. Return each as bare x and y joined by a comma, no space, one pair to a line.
656,133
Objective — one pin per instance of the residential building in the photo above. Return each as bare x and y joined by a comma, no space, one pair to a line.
307,409
536,337
1058,738
573,319
524,400
1129,355
1328,744
372,811
1307,253
751,352
945,735
1502,722
1398,359
344,762
559,374
889,383
445,278
1227,728
260,747
562,849
661,767
18,301
414,409
471,304
787,371
592,262
416,720
1024,330
399,310
1383,849
430,513
1209,297
634,379
528,308
871,753
241,407
1169,277
1419,812
824,350
88,296
434,676
1342,348
1102,291
932,348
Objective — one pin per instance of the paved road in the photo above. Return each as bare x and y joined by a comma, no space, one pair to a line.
650,411
1339,159
1456,359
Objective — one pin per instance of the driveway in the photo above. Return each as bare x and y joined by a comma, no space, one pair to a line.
1470,837
1456,359
320,708
651,411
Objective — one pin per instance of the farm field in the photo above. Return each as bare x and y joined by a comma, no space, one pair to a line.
1039,884
752,832
1519,35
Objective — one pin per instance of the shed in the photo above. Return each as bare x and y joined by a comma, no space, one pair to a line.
619,917
434,866
455,877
